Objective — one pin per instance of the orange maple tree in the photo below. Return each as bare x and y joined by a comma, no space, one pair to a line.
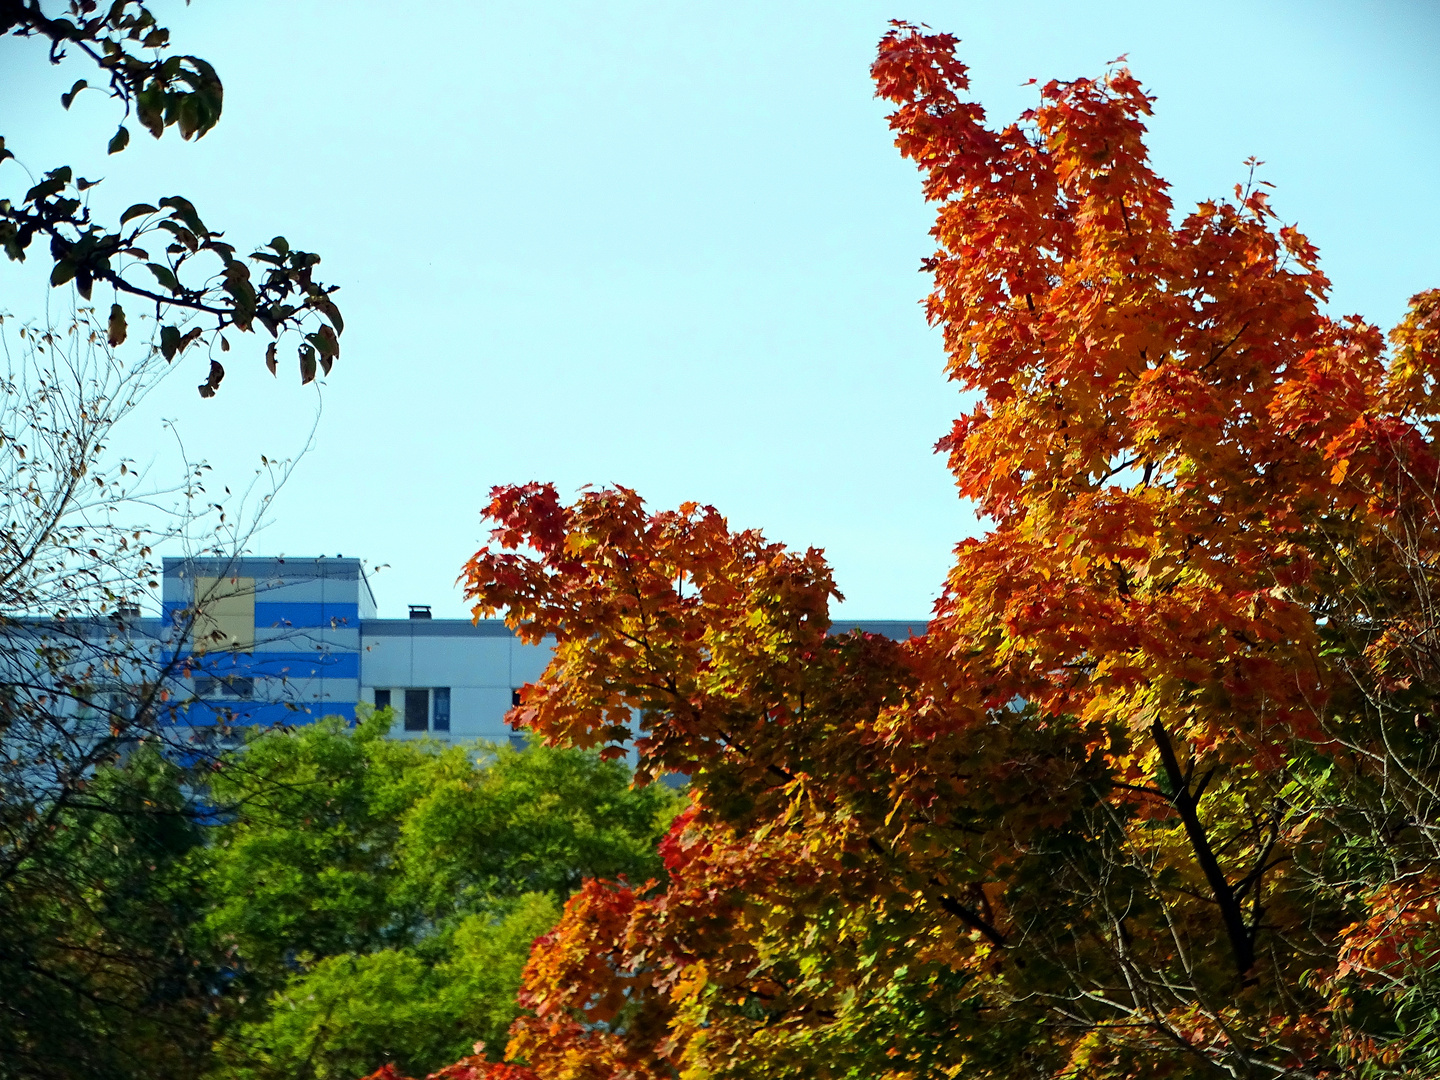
1154,795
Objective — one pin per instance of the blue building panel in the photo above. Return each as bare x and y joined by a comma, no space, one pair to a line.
262,713
278,665
328,613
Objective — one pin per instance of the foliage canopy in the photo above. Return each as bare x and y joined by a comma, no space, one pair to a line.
350,900
1155,793
379,897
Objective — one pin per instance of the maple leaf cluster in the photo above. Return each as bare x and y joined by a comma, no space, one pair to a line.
1154,795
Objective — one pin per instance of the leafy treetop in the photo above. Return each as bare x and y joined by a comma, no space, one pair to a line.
1154,794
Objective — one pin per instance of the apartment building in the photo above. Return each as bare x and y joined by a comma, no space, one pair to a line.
289,640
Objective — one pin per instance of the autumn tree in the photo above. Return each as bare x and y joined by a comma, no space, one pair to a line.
1155,794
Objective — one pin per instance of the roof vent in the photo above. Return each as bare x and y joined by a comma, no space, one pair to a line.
420,611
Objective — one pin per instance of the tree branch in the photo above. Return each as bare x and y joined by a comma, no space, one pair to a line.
1242,943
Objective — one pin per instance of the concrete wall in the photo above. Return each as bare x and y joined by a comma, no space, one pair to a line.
481,663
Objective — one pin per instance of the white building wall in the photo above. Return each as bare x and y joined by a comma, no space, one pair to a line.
458,661
528,661
481,664
479,711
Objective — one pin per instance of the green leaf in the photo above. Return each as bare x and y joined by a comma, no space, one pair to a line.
165,276
184,235
140,209
67,99
12,241
237,284
188,116
120,140
184,209
169,341
46,188
327,345
150,108
63,272
270,361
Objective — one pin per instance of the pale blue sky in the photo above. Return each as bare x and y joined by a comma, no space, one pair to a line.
670,245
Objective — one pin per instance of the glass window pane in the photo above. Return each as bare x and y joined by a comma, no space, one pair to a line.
417,710
440,704
382,699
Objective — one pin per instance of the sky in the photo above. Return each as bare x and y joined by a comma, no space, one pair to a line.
671,246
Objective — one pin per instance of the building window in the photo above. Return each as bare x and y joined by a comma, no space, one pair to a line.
514,697
224,687
417,710
518,742
424,709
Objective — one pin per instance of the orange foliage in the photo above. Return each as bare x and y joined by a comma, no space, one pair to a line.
1117,812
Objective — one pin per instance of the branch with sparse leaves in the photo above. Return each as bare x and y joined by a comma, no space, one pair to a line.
160,254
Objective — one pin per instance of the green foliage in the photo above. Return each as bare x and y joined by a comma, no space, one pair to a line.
379,897
416,1007
336,900
106,972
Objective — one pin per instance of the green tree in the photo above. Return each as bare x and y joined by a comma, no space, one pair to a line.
103,956
379,898
332,900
